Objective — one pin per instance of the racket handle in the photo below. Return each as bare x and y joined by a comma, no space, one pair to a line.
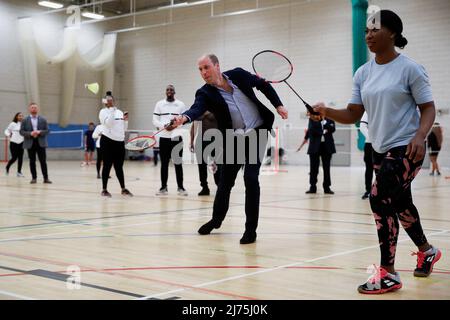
310,109
170,123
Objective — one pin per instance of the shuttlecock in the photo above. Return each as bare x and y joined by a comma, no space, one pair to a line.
92,87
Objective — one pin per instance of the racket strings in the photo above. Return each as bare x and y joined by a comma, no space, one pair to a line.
272,66
140,143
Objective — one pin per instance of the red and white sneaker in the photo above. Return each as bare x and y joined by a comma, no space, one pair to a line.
380,282
425,261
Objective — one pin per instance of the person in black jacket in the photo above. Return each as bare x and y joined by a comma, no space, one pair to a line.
321,146
230,97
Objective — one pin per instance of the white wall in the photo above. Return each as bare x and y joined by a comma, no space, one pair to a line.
48,32
316,35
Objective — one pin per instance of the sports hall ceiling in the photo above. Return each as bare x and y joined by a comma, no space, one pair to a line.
118,7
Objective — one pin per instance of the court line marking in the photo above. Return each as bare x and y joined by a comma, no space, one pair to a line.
153,222
205,284
130,217
94,229
320,268
15,295
169,283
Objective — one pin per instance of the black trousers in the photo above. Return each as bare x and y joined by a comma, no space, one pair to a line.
166,146
16,154
368,160
42,156
98,163
113,155
155,156
203,167
314,161
251,181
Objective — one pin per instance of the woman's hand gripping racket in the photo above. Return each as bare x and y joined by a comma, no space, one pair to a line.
275,68
141,143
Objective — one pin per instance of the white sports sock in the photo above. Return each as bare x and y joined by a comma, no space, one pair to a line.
430,251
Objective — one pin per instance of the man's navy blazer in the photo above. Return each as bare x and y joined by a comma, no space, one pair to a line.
315,133
208,98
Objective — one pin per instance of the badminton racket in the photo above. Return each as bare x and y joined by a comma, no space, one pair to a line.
274,67
141,143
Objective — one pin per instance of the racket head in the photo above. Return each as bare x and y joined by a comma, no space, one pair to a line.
140,143
272,66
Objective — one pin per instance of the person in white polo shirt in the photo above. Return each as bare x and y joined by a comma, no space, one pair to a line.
15,143
165,110
114,124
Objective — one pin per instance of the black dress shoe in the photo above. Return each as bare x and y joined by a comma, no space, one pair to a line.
33,181
365,195
204,192
208,227
248,237
311,190
328,191
47,181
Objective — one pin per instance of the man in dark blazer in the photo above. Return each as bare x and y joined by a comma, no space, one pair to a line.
34,129
321,146
230,97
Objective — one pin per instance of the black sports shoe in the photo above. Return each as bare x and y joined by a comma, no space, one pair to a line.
381,282
209,226
105,193
248,237
425,262
126,192
204,192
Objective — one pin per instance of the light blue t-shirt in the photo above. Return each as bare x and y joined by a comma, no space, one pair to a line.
390,94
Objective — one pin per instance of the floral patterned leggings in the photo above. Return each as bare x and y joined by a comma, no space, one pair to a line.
391,201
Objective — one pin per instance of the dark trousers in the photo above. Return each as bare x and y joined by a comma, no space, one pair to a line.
16,154
314,161
42,156
252,188
155,156
369,166
98,164
203,167
166,146
391,201
113,155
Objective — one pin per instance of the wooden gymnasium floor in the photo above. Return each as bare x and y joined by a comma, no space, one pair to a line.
308,247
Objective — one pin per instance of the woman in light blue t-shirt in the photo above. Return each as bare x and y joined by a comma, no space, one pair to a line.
390,88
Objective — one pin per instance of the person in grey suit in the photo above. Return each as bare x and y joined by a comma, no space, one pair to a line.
34,129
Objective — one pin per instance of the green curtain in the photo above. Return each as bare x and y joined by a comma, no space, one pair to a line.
359,17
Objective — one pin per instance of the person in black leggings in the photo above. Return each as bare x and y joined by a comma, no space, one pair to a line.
112,144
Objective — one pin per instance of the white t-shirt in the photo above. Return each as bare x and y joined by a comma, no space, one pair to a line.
13,132
390,94
364,127
166,111
114,125
97,134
